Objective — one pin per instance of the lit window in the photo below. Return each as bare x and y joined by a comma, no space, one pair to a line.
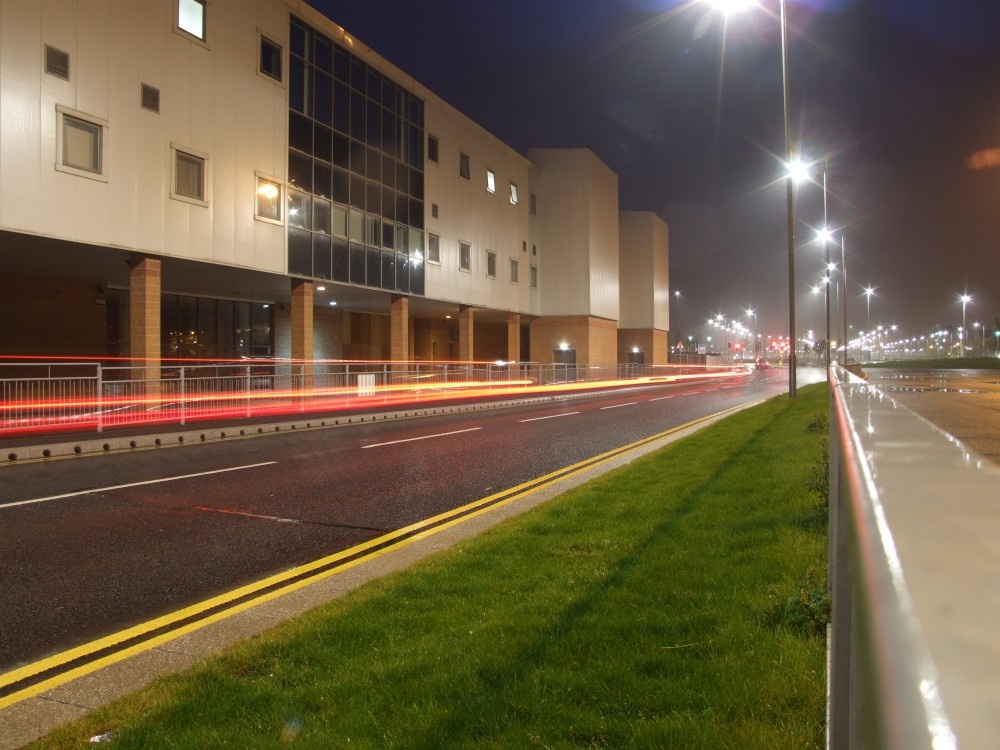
433,248
464,257
189,176
491,181
270,58
513,194
191,17
432,148
81,144
513,271
268,199
463,166
491,264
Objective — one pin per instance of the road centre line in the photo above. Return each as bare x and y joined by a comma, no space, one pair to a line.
423,437
616,406
661,398
134,484
550,416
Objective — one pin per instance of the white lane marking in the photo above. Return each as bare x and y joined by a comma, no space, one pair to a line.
424,437
661,398
551,416
279,519
616,406
134,484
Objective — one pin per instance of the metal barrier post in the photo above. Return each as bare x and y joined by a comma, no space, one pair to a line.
100,400
183,413
248,391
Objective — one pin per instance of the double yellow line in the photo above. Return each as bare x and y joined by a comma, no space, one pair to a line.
43,675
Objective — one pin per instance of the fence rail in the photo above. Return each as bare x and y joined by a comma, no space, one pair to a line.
914,524
44,396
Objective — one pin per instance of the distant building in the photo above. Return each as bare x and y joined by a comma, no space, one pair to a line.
243,178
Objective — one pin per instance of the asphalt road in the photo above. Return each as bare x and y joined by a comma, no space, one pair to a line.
963,403
94,544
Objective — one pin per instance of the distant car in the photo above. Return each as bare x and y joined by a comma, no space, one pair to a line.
762,364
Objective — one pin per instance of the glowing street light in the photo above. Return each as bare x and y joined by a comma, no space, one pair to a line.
727,7
965,299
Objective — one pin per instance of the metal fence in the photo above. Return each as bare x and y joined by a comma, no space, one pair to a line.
914,557
45,396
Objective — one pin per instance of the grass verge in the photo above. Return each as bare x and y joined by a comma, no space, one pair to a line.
675,602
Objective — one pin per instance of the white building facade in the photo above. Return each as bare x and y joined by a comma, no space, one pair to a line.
222,179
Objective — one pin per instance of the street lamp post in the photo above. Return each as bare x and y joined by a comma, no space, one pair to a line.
826,250
791,204
729,6
965,298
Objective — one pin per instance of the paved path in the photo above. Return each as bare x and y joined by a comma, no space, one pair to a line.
963,403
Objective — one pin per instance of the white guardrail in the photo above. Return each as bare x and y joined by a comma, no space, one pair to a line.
42,396
914,579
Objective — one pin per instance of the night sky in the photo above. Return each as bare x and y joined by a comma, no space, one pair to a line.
900,97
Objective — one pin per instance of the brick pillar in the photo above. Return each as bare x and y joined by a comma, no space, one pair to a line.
466,352
514,337
144,309
302,324
399,329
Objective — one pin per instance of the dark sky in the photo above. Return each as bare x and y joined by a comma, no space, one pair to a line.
901,97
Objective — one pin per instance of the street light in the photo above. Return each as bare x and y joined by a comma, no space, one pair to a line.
868,293
966,299
794,171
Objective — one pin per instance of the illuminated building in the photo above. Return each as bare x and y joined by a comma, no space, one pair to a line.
245,179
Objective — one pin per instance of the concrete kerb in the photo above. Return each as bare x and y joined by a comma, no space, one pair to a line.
34,717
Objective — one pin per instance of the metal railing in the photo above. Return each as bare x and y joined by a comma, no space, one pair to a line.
44,396
914,558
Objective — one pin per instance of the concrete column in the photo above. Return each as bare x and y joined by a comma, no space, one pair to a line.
144,309
466,351
514,337
399,328
302,324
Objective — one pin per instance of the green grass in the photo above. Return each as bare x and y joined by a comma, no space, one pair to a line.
676,602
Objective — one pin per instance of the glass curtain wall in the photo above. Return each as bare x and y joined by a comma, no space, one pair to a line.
355,170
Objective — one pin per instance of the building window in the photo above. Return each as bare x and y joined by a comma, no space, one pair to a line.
464,257
81,144
513,194
463,166
189,176
270,58
534,249
491,181
434,210
433,248
534,204
534,277
491,264
432,148
268,199
513,272
191,17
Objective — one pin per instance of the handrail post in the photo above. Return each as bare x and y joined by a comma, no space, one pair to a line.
182,395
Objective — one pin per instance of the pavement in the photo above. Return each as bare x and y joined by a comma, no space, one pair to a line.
32,718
